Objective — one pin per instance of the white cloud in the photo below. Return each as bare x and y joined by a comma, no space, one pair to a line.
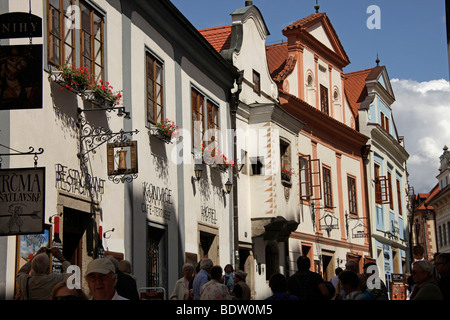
422,116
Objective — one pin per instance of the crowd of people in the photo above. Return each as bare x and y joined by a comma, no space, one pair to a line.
109,279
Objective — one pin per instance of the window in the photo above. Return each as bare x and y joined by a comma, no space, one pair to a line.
324,99
285,160
61,40
61,45
384,122
309,171
257,165
92,41
382,187
212,121
200,105
391,202
351,182
327,191
256,82
399,197
198,125
155,89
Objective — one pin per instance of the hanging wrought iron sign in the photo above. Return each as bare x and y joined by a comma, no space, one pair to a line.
22,194
360,229
122,161
328,222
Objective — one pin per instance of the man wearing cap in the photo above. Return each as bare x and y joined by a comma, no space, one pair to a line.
101,278
241,289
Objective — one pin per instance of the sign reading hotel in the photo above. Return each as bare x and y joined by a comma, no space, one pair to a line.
22,194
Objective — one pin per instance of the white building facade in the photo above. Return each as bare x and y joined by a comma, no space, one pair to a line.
152,210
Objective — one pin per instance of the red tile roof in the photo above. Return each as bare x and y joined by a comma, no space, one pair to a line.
218,37
355,86
306,22
277,55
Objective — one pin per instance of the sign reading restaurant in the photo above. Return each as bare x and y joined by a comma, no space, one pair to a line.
22,194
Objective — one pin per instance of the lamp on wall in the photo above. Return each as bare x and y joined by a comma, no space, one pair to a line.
198,170
228,186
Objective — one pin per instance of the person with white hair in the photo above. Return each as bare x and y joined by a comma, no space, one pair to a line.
39,285
182,289
426,287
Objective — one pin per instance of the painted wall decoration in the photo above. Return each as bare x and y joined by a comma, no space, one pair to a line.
21,77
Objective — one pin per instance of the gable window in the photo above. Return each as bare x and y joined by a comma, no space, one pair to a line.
384,122
61,45
351,184
327,191
256,82
324,99
155,89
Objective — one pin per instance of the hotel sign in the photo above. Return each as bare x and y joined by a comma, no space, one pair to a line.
22,195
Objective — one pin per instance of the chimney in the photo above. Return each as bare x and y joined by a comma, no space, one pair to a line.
248,3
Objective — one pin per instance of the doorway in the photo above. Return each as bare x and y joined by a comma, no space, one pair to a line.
76,223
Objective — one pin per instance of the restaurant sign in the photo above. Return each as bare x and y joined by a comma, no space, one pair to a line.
22,195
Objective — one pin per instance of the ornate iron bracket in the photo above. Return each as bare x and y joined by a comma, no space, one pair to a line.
92,138
19,153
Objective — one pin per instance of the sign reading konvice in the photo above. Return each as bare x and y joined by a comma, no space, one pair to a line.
22,195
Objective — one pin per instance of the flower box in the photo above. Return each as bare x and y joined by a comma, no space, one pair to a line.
101,94
165,130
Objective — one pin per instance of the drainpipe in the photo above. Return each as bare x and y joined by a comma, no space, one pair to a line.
234,106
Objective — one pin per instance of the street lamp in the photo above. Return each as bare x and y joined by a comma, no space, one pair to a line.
198,170
228,186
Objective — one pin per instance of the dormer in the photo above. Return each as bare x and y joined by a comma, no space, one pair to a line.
247,52
370,94
444,169
309,65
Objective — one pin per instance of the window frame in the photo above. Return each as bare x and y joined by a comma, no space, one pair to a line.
324,101
352,196
154,103
92,56
256,82
200,106
77,36
327,187
61,37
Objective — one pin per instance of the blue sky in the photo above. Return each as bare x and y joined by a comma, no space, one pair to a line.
411,43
